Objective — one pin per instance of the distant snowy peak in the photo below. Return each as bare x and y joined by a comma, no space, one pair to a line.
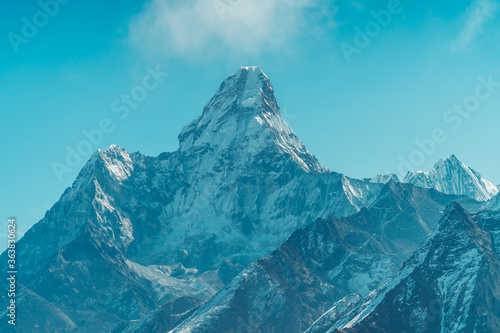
245,115
383,179
451,176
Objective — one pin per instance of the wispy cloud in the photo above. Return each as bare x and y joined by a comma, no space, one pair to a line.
479,12
206,28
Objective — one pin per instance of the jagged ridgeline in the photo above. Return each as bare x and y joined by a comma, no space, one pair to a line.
241,229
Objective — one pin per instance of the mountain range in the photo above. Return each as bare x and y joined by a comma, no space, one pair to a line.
450,284
242,229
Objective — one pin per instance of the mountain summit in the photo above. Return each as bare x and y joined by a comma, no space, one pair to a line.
244,113
451,176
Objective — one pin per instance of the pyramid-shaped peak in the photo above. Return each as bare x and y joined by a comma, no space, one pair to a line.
454,208
244,116
456,230
451,176
113,161
243,98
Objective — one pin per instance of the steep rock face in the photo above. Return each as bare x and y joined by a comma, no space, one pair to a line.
451,284
451,176
322,264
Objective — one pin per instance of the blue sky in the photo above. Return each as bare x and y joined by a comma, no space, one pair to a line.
360,114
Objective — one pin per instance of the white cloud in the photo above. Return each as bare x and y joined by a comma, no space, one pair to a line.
205,28
479,12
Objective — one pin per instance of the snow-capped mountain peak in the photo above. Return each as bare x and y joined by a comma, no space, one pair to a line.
451,176
244,115
113,161
117,161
